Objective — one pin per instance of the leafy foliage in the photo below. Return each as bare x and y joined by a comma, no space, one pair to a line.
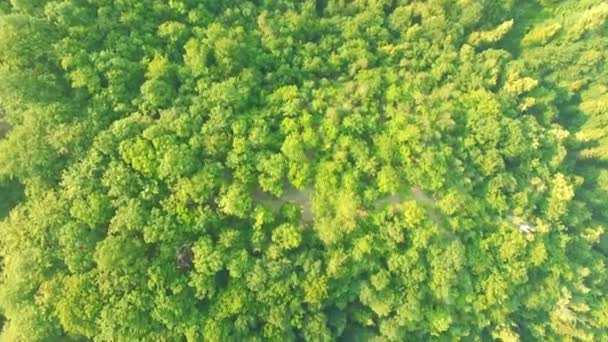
277,170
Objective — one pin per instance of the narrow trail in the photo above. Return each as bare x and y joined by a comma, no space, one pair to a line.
291,195
303,200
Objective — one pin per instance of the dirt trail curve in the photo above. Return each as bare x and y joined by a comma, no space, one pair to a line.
302,199
291,195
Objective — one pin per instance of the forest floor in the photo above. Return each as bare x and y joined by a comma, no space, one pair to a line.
303,200
291,195
415,193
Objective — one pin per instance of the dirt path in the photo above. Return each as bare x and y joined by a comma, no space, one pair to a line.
421,196
291,195
415,193
303,200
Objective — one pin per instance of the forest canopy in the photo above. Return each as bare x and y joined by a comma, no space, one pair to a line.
274,170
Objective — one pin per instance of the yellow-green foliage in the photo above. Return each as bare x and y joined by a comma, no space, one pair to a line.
316,170
591,19
491,36
542,35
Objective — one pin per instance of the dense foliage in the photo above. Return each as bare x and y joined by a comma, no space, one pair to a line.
382,170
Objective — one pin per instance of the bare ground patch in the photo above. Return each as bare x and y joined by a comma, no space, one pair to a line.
302,199
291,195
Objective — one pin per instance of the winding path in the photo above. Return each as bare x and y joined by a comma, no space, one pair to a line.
303,200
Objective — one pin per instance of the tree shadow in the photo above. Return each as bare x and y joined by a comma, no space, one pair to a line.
11,194
527,14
